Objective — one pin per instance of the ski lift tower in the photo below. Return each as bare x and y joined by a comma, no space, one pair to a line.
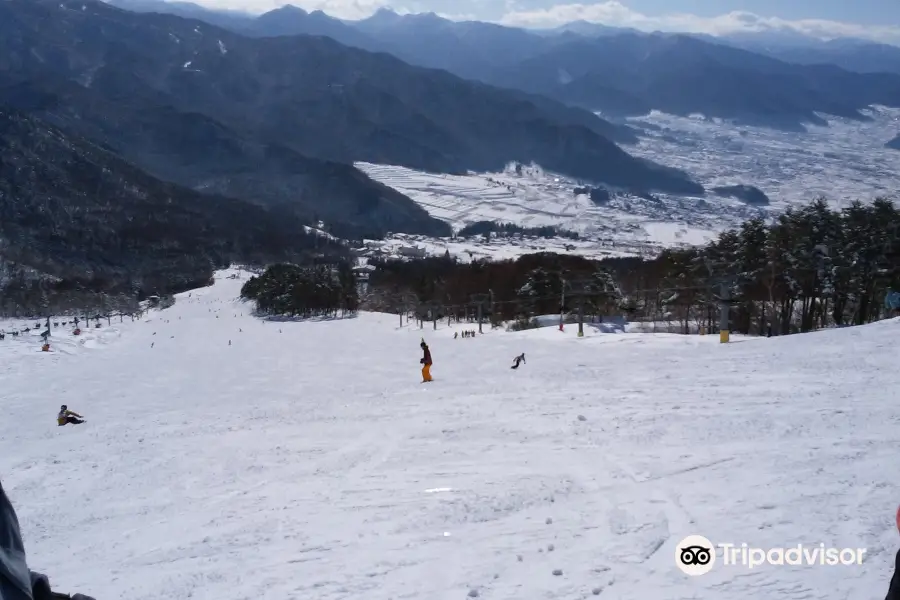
725,302
578,289
480,300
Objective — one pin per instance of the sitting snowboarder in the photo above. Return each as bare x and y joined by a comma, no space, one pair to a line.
519,359
426,362
67,416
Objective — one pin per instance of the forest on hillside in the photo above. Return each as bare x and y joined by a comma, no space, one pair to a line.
310,291
812,267
82,230
506,230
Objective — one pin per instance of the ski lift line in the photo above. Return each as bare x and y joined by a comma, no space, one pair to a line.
456,307
661,290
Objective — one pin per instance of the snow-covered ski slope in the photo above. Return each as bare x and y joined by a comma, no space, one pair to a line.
306,460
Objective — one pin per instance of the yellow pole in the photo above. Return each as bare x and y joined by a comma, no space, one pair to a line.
724,321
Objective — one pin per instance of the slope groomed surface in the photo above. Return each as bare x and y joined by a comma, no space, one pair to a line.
306,460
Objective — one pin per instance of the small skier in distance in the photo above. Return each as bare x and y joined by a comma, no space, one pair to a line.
426,362
519,359
66,416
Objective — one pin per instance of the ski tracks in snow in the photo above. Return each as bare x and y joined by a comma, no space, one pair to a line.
285,465
642,519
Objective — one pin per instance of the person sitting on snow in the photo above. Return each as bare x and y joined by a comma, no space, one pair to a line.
66,416
519,359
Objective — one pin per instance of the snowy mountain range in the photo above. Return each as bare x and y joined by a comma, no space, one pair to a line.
853,54
276,110
229,452
754,78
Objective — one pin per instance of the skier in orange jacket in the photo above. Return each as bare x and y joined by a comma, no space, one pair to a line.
426,362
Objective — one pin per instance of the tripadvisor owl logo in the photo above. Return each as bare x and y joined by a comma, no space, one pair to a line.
695,555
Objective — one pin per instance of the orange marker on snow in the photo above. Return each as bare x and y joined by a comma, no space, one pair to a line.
898,518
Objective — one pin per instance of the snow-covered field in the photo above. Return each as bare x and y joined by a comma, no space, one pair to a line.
844,161
305,460
625,226
467,249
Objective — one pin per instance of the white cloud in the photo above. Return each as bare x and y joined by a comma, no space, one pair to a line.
614,13
611,12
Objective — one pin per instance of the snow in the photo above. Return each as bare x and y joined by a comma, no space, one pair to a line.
673,234
467,249
222,49
844,161
320,233
306,460
626,226
536,199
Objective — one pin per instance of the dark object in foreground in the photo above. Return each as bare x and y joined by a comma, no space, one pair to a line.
894,587
16,581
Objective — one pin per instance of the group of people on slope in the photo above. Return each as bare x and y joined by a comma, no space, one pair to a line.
426,363
17,582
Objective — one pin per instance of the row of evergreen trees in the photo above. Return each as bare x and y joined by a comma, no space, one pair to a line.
505,230
304,291
514,289
811,267
27,293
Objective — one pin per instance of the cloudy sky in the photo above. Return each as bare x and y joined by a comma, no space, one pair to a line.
874,19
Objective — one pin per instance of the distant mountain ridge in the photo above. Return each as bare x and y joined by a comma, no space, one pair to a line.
280,120
630,73
623,72
853,55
